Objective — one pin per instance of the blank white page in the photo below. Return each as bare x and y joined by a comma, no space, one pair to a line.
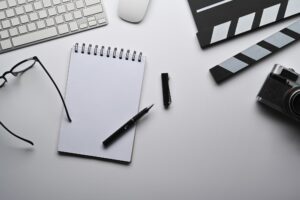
102,94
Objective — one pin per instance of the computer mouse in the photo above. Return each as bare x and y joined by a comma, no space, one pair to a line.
133,11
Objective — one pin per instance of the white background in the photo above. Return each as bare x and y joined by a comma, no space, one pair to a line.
214,143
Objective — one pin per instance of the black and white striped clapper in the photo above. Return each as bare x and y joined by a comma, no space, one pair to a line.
219,20
257,52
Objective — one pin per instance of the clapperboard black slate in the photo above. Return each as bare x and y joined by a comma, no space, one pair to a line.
218,20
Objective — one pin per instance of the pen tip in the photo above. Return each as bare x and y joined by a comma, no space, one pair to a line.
151,106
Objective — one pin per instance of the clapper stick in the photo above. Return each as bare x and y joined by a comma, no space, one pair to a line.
256,53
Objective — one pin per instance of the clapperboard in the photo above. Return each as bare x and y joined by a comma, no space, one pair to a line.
219,20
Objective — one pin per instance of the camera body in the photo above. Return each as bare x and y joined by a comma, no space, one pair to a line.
281,91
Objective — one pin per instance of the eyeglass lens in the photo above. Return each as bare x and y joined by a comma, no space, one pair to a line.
23,66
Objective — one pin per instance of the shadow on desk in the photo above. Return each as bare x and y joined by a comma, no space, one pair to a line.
15,146
93,158
293,130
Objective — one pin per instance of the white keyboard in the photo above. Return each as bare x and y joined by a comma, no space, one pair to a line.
28,22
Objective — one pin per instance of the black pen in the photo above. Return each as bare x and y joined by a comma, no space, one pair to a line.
108,141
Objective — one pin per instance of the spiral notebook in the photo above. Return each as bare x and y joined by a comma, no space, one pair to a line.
103,91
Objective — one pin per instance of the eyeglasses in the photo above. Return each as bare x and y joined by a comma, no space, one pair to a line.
19,69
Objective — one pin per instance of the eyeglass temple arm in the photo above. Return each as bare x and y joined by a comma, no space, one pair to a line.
25,140
61,97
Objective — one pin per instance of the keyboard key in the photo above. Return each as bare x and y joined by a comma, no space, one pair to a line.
5,44
22,29
13,31
38,5
41,24
19,10
73,26
52,11
33,16
6,23
2,15
12,3
42,14
3,5
82,21
47,3
50,22
28,8
24,19
79,4
100,16
21,1
31,26
91,18
55,2
59,19
70,6
63,28
68,17
92,23
15,21
77,14
10,12
32,37
91,2
92,10
4,34
61,9
83,25
101,21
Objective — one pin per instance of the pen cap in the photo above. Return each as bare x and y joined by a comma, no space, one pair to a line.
166,89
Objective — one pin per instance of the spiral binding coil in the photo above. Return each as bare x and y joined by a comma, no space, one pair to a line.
108,52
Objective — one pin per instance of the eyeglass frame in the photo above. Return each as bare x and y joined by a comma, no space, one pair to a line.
11,71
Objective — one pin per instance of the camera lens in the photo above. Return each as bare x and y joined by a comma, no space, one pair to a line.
295,103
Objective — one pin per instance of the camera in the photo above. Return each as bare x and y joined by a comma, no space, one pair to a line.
281,91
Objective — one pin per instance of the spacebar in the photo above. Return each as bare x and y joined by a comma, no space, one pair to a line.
34,36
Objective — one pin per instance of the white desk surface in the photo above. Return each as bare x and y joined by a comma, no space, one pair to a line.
215,142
